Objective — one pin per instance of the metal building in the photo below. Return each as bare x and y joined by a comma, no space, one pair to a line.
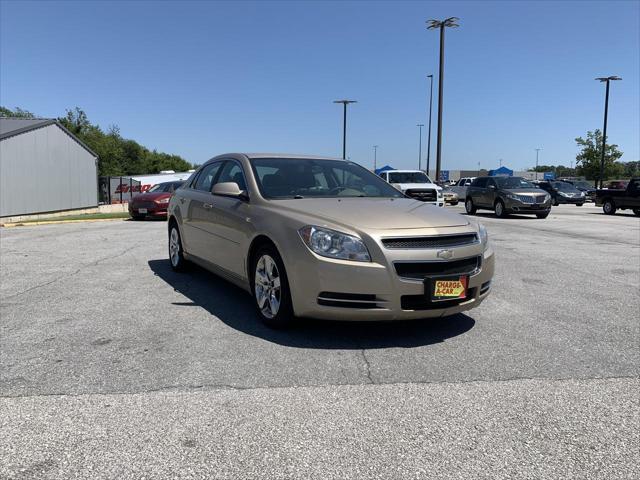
44,168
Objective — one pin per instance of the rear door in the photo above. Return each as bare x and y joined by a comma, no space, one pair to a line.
477,191
491,192
633,194
200,203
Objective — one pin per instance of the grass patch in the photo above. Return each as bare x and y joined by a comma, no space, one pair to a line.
86,216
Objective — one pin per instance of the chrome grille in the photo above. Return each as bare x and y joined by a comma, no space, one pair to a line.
420,270
439,241
423,194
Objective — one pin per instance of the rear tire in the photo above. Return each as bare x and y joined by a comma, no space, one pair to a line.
469,206
608,207
542,215
579,204
637,211
500,210
453,204
176,252
270,288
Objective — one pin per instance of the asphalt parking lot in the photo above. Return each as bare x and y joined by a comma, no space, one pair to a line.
113,366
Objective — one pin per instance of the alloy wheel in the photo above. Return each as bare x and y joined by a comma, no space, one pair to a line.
174,247
267,286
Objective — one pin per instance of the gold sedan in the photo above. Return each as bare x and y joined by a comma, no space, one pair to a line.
450,198
326,238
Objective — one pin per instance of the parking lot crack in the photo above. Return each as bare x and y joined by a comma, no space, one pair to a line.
367,366
70,274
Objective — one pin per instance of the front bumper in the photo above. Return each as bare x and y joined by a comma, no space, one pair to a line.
363,291
570,201
158,211
516,206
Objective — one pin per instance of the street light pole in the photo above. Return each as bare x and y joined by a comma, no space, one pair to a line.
429,135
441,24
537,152
420,125
604,129
344,125
375,158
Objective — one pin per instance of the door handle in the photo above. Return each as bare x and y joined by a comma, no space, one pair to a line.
207,205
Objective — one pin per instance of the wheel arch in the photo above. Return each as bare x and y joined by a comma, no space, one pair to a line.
258,241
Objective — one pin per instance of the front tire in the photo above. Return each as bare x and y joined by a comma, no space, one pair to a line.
500,210
637,212
579,204
542,215
608,207
469,207
176,252
270,288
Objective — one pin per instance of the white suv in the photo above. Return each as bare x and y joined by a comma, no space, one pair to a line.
415,184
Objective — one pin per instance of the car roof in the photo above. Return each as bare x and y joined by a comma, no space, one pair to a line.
286,155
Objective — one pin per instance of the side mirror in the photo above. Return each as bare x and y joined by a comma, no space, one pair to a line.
229,189
492,187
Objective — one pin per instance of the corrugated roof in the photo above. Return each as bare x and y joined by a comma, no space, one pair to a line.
14,126
10,127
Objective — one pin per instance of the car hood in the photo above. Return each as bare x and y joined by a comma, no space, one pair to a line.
374,213
407,186
145,197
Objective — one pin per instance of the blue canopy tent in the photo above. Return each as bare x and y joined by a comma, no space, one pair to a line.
501,172
378,171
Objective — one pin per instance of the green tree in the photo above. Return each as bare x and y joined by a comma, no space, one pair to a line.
17,113
588,159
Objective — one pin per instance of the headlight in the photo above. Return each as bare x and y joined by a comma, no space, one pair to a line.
484,236
439,193
163,201
332,244
513,196
582,194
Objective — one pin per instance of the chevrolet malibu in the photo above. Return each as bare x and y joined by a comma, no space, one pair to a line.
325,238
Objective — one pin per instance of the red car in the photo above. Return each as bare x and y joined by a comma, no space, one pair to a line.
154,202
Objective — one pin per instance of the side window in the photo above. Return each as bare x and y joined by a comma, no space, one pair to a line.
634,186
232,172
204,181
480,182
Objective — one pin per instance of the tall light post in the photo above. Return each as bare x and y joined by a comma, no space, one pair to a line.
441,24
344,125
375,158
429,135
537,152
604,130
420,125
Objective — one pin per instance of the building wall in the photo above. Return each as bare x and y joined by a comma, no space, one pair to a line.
45,170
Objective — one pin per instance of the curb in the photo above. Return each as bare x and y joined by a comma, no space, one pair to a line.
55,222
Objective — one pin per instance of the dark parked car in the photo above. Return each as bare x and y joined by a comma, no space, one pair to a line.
612,200
505,195
153,203
584,186
563,192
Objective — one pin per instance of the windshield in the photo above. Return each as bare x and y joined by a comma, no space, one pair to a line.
166,187
564,187
513,182
299,178
408,177
583,185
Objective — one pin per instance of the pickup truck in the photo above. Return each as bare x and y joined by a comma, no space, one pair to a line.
612,200
415,184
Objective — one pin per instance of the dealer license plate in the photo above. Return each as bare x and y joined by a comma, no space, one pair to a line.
142,210
450,288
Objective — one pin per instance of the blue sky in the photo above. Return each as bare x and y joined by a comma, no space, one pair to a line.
203,78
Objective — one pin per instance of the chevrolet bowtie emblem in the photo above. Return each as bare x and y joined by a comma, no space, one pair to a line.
445,254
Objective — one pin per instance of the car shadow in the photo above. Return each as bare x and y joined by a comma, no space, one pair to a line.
617,214
511,216
234,307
